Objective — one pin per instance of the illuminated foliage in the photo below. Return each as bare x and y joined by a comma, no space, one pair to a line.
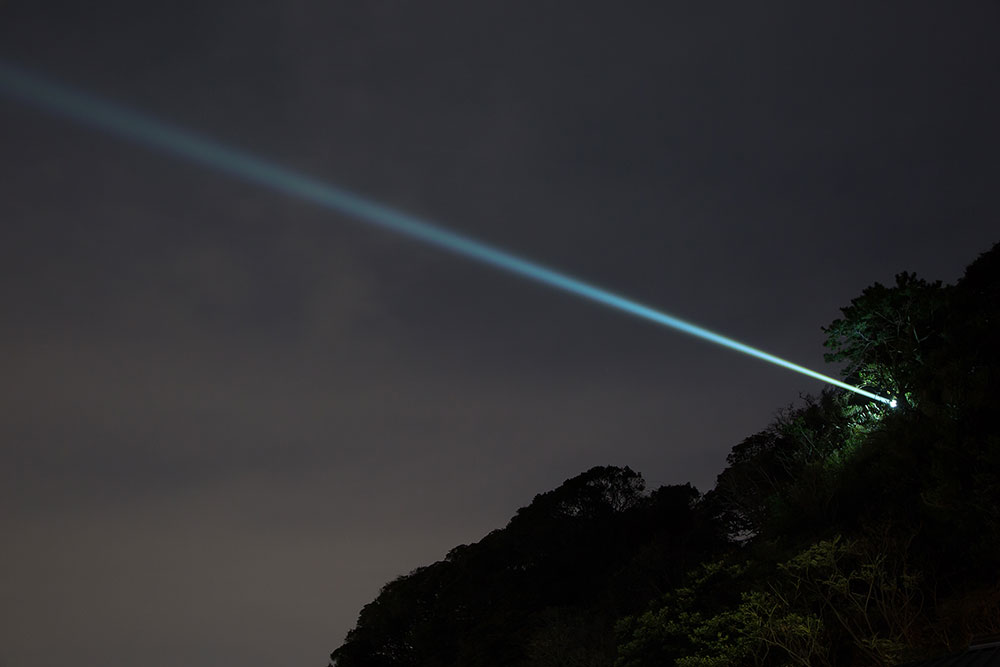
886,334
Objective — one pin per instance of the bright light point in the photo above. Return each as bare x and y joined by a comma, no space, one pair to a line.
20,85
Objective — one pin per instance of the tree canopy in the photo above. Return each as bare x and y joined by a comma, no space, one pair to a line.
844,533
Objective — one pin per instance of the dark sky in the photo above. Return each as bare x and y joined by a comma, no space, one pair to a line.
227,417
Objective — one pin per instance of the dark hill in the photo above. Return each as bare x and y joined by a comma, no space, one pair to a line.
846,533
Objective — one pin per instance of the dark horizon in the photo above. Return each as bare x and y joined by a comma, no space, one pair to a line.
231,417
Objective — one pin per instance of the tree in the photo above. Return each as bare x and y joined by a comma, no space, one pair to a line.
886,334
599,492
675,625
864,588
838,601
557,576
787,475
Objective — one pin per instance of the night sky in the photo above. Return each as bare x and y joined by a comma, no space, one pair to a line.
228,417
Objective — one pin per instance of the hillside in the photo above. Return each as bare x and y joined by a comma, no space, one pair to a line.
846,533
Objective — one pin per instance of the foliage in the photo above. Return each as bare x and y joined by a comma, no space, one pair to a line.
833,594
668,631
887,332
843,534
544,590
863,589
786,477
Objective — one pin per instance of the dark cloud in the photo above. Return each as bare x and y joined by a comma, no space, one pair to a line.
230,417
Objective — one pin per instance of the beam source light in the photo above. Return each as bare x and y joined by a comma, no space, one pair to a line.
35,91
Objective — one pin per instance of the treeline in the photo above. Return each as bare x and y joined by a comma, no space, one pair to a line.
846,533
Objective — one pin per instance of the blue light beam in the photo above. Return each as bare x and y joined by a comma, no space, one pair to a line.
32,90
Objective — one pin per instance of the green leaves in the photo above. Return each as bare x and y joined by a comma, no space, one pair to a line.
886,333
836,593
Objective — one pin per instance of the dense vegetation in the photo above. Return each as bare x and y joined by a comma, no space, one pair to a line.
846,533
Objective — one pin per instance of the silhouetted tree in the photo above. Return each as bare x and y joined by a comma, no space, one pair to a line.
558,575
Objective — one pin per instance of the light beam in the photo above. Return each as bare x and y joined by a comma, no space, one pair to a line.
35,91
